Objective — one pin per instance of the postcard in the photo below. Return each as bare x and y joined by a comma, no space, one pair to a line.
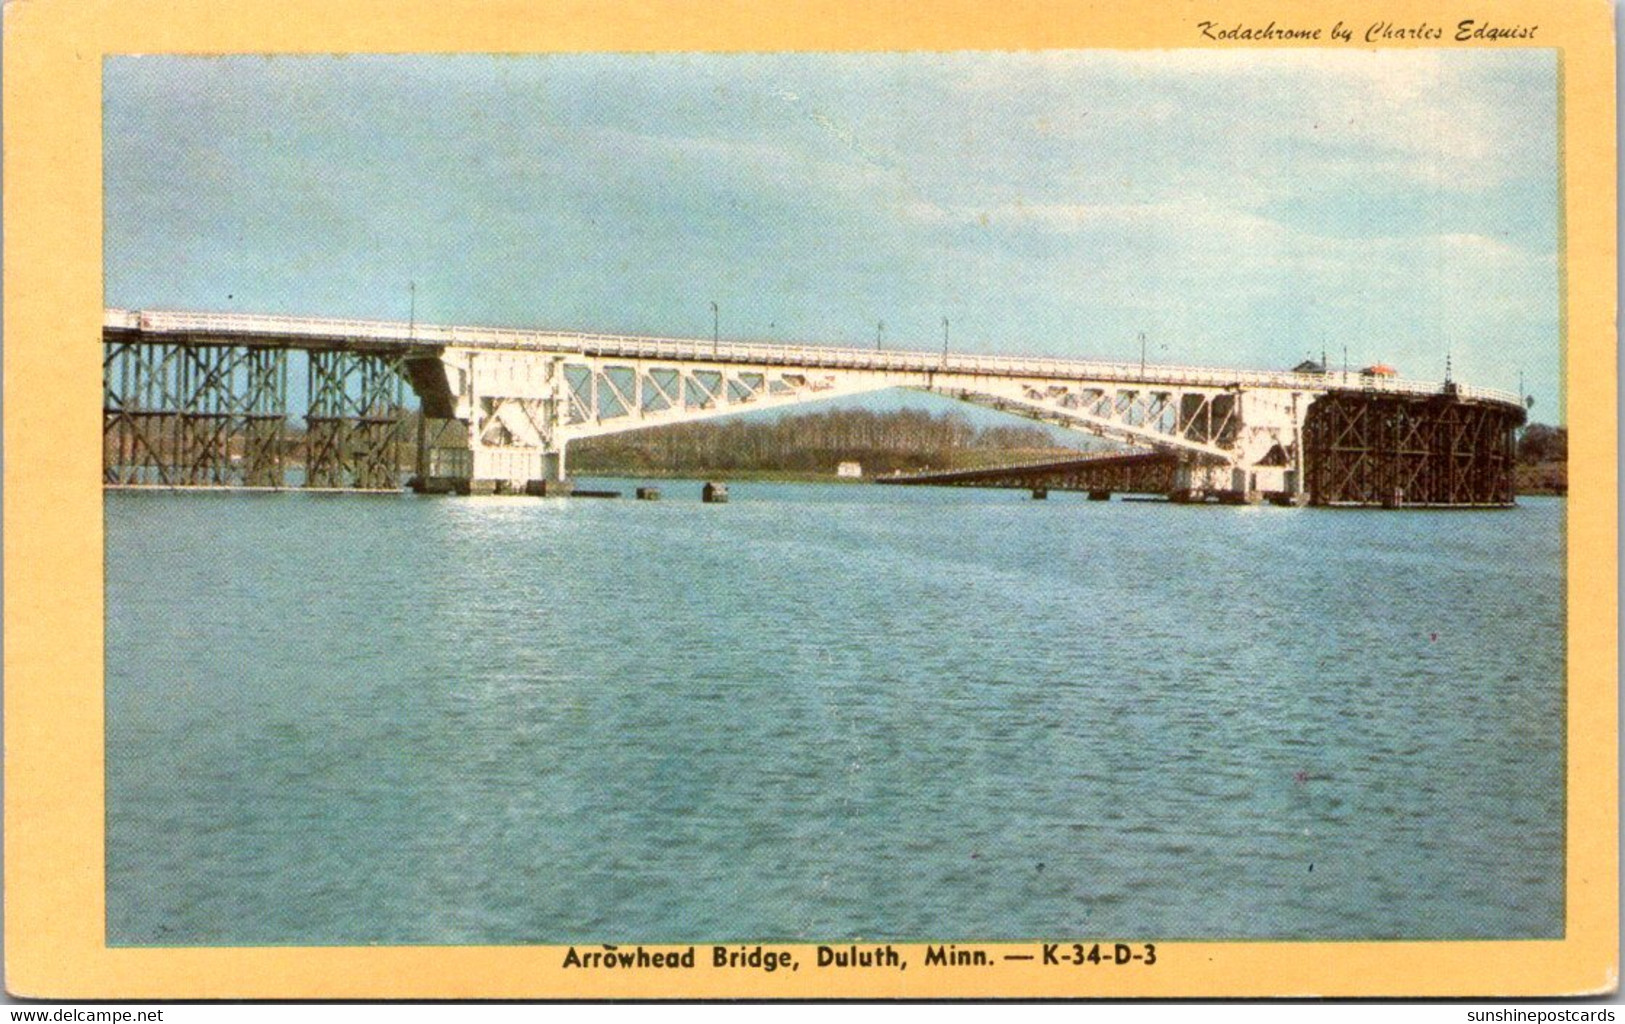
821,500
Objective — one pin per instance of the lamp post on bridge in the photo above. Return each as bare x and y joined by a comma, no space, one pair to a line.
423,421
716,333
944,341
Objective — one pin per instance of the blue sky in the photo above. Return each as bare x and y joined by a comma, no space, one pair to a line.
1239,207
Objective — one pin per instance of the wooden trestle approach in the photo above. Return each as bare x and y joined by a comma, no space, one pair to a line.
197,400
177,414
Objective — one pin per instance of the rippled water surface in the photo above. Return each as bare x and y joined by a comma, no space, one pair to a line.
828,712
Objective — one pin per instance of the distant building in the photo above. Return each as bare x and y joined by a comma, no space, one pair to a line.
1309,366
849,469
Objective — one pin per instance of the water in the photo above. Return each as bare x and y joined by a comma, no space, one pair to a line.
828,712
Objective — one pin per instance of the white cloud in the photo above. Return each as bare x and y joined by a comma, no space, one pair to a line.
1436,117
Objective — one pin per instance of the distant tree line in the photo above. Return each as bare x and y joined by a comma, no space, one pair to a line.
906,439
1543,459
1539,442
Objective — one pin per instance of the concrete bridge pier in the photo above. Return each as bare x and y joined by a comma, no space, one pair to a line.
503,418
1198,480
1265,436
514,470
553,481
553,466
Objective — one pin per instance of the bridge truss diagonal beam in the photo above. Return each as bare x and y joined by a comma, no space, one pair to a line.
609,396
1197,423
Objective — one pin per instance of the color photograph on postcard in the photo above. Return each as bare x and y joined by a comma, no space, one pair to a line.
834,501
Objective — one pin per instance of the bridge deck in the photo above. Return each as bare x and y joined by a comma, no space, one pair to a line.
1037,468
320,332
1143,472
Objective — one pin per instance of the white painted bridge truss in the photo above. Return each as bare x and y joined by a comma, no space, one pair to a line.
523,410
526,394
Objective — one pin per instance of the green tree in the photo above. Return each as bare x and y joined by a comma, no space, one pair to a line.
1540,442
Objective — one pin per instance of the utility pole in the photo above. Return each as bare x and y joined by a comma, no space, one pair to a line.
880,335
1142,353
412,317
944,341
716,330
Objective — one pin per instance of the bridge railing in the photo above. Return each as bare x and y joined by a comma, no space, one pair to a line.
376,332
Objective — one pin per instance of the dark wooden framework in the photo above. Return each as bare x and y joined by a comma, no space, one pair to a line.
206,413
1394,451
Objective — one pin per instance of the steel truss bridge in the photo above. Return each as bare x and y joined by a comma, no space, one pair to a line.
203,400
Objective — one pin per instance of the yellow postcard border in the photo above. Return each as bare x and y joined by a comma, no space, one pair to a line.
54,897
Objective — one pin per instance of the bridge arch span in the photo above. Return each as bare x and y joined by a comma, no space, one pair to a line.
185,394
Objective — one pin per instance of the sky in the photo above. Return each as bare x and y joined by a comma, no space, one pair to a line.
1242,208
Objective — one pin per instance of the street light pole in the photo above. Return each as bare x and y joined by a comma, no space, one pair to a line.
944,341
880,335
716,333
1142,353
